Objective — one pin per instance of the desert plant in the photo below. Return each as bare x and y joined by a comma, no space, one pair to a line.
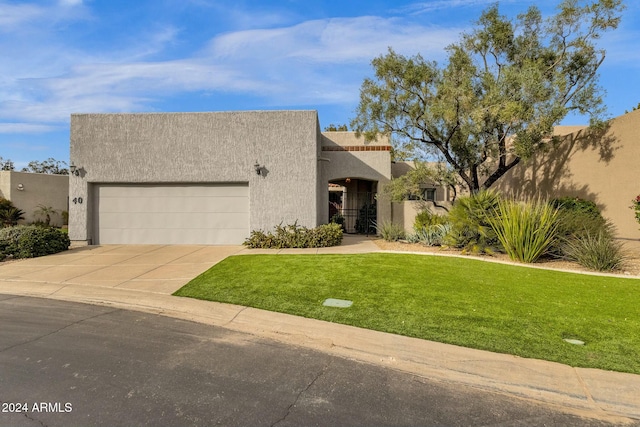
577,218
575,204
598,252
46,212
10,216
326,235
469,219
390,231
525,229
426,218
432,235
295,236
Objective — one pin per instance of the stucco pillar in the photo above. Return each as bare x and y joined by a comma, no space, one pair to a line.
79,218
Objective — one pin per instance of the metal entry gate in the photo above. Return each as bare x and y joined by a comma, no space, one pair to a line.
357,212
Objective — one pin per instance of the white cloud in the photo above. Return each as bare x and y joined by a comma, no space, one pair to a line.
435,5
28,17
25,128
14,16
335,40
314,62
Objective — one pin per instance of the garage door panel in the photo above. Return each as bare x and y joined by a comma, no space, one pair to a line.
170,204
168,237
194,190
221,191
171,214
159,221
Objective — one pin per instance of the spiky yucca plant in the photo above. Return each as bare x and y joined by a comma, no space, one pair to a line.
390,231
596,251
525,229
432,235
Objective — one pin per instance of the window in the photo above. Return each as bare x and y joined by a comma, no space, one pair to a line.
429,194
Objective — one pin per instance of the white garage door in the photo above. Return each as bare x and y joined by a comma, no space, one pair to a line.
212,214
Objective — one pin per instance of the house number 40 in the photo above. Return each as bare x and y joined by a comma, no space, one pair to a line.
77,200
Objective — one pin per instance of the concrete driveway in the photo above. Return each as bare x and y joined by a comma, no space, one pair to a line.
152,268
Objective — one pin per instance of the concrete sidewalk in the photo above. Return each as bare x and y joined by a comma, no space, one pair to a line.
611,396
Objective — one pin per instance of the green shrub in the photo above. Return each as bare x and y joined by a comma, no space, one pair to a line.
576,204
32,241
9,237
525,229
595,251
432,235
295,236
577,218
337,219
325,235
469,219
391,232
426,218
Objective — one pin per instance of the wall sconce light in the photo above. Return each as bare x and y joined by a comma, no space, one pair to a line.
74,169
20,187
258,168
348,180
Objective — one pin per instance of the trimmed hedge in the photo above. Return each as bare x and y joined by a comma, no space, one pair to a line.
295,236
29,241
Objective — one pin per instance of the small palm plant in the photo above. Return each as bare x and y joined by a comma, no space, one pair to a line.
469,219
46,212
10,216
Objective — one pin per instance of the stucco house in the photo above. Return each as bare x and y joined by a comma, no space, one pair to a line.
211,178
28,191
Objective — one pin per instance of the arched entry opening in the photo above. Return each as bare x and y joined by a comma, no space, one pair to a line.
353,204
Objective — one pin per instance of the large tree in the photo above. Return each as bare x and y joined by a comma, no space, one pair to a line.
503,88
6,165
49,166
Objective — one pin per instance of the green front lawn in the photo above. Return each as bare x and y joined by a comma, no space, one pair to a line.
501,308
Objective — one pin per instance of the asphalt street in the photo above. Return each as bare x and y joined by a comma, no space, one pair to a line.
65,364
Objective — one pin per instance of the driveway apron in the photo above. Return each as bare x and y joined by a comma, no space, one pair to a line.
153,268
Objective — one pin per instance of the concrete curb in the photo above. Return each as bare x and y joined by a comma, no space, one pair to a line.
607,395
516,264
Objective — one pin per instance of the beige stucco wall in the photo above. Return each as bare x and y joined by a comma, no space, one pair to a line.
5,184
356,165
404,213
598,167
37,189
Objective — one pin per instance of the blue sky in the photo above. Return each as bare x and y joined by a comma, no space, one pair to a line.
90,56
